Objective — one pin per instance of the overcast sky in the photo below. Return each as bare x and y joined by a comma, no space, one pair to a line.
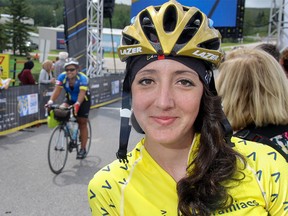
248,3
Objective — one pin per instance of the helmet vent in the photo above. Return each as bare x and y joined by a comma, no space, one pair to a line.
157,8
213,44
149,28
127,40
185,9
170,19
190,29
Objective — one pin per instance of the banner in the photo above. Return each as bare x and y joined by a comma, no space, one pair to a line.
227,15
212,8
4,63
75,22
23,106
61,41
18,106
105,88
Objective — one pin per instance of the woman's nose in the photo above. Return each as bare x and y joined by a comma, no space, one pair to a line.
164,98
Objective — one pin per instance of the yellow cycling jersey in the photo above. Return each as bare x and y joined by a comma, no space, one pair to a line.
141,187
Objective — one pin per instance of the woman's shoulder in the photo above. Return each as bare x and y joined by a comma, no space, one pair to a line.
116,170
111,170
43,71
258,154
110,178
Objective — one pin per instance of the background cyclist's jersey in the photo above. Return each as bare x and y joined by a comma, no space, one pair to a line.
143,188
81,82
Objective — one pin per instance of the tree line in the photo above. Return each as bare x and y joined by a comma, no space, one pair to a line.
14,33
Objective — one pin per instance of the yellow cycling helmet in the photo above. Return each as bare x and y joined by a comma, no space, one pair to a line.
171,29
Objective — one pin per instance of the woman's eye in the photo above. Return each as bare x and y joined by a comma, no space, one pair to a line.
186,82
145,81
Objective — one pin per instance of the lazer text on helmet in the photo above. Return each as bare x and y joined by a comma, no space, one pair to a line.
130,51
205,55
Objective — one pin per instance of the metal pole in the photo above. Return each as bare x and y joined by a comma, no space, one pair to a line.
14,72
110,21
284,30
55,19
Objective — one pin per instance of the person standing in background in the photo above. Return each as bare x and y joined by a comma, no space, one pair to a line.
46,76
25,76
284,60
254,93
4,83
59,65
272,49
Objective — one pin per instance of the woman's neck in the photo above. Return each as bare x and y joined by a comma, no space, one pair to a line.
172,160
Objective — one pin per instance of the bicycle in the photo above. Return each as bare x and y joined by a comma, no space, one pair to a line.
61,140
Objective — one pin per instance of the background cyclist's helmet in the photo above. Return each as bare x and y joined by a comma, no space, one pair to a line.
172,29
71,61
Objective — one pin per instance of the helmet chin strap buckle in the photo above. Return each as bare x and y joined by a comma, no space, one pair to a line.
125,113
122,156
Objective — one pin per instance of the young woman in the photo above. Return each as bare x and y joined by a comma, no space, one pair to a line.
187,163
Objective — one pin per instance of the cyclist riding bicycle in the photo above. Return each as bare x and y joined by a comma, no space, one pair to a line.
76,86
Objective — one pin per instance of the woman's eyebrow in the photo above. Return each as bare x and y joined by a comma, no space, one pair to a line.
177,72
186,71
147,71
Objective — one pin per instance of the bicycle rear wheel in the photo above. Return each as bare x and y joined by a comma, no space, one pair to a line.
57,150
89,137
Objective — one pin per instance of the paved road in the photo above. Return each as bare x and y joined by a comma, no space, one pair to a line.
29,188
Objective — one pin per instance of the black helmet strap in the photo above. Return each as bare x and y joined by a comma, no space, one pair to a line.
125,128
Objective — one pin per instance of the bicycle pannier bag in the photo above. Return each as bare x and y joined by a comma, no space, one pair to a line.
51,121
61,115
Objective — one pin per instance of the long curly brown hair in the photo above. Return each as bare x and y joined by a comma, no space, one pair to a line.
203,191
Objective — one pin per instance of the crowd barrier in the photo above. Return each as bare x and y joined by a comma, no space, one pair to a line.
23,106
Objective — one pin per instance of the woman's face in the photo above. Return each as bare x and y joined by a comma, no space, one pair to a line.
166,98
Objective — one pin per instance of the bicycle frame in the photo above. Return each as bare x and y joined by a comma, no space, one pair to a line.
72,143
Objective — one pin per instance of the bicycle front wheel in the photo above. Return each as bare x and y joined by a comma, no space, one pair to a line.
57,150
